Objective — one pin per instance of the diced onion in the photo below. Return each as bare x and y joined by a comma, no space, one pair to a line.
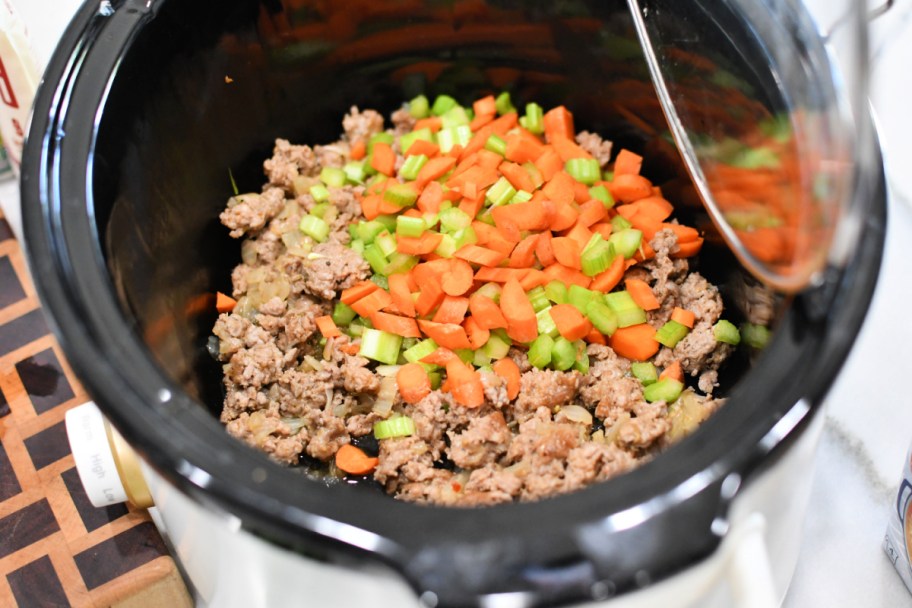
386,396
387,370
576,413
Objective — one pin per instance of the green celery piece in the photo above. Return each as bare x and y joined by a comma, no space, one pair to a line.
582,357
540,351
451,136
666,389
496,144
534,173
402,195
454,117
314,227
631,316
480,358
436,379
626,242
343,314
521,196
406,141
388,221
395,426
411,166
644,371
319,210
464,236
447,246
584,170
419,351
465,354
442,104
490,290
579,297
533,120
419,107
496,347
500,193
755,336
546,324
603,318
380,346
399,263
556,292
375,257
454,219
598,258
627,311
671,333
538,298
600,193
380,280
354,172
503,104
725,331
368,231
387,243
619,222
563,354
319,193
357,245
410,226
332,177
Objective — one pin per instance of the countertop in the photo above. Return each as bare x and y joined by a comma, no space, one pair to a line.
868,419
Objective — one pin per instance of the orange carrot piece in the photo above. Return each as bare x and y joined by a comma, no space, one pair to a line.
472,206
504,123
567,276
558,122
429,298
685,250
355,461
413,382
685,234
488,160
383,159
570,322
596,337
606,281
532,279
487,274
564,217
549,163
627,188
434,123
485,105
448,335
484,232
580,234
372,302
581,193
394,324
627,162
424,244
636,342
486,313
522,325
567,148
401,294
592,212
423,146
451,310
358,150
480,120
479,255
524,216
358,291
518,177
646,224
430,198
465,383
477,334
370,206
327,327
642,294
559,188
441,357
523,255
567,252
224,303
684,317
655,207
507,369
544,250
434,169
458,279
521,149
673,371
603,228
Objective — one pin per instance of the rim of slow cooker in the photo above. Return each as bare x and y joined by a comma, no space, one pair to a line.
76,289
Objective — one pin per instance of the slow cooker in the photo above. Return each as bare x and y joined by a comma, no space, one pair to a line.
148,110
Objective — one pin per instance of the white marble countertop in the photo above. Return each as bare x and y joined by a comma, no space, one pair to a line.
868,418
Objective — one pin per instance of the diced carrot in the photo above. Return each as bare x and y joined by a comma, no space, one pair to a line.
580,234
448,335
413,382
507,369
355,461
423,146
544,250
570,322
655,207
372,302
327,327
603,228
466,385
488,274
432,122
472,206
358,150
518,177
636,342
383,159
370,206
581,193
592,212
485,105
564,217
483,231
559,188
606,281
596,337
567,148
549,163
504,123
567,252
685,250
684,317
458,279
430,198
627,162
524,216
479,255
558,122
685,234
642,294
224,303
567,276
434,169
451,310
441,356
401,294
429,298
645,224
627,188
673,371
522,325
486,312
523,255
394,324
507,229
521,149
358,291
424,244
646,252
477,334
482,177
480,120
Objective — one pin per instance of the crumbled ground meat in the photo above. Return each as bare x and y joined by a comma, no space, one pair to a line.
292,394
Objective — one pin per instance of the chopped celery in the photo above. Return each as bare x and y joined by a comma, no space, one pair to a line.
521,196
725,331
600,193
419,107
386,242
332,177
535,173
480,358
666,389
465,236
406,141
319,210
533,120
354,171
389,221
396,426
582,357
546,324
490,290
357,245
454,219
579,297
380,346
598,257
465,354
319,193
540,351
631,316
671,333
608,176
644,371
375,257
454,117
436,380
411,166
538,298
343,314
500,193
603,318
496,144
399,263
563,354
368,231
556,292
380,280
410,226
584,170
620,300
627,311
442,104
619,222
626,242
452,136
314,227
447,246
496,347
503,104
755,336
419,351
402,195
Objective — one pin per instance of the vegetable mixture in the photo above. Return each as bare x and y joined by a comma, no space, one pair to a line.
474,306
